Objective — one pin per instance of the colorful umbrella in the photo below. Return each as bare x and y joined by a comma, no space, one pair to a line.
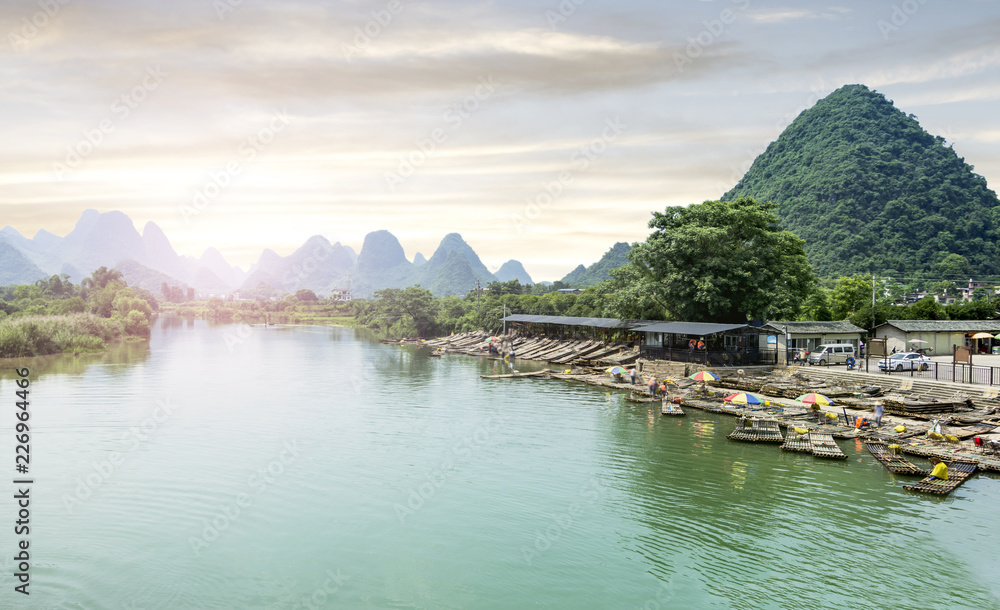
617,370
814,399
745,398
704,376
982,336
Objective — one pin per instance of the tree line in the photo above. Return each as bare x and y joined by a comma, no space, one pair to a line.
718,261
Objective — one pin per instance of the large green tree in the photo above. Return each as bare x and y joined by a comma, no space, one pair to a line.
721,261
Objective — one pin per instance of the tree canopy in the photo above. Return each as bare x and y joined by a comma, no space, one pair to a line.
716,261
870,190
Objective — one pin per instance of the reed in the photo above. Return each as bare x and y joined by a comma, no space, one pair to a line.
22,336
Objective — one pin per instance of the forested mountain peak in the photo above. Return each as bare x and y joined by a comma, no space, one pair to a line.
868,189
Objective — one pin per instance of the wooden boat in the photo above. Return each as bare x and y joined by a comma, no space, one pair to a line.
958,472
669,407
756,430
541,373
824,446
893,461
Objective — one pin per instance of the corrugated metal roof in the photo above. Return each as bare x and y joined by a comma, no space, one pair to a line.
567,320
944,326
815,327
688,328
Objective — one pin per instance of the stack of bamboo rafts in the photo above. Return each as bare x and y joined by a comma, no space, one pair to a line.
899,405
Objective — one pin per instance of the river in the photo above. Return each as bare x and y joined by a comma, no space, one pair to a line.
224,466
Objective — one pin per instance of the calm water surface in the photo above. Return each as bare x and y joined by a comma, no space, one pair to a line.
298,467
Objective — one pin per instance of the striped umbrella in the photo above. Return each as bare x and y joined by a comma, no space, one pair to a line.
704,376
745,398
814,399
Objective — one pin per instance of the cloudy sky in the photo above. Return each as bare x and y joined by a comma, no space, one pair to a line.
542,131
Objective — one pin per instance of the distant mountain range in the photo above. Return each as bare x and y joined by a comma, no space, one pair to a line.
148,260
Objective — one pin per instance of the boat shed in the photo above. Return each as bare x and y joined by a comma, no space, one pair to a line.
811,334
574,327
938,337
710,343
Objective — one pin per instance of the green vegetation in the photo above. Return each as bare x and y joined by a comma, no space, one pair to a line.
414,312
601,270
725,262
869,190
303,307
53,315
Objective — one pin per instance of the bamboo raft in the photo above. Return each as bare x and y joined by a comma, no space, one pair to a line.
958,472
704,405
892,460
824,446
669,407
796,442
756,430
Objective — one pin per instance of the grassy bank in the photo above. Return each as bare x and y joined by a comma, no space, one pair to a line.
287,311
24,336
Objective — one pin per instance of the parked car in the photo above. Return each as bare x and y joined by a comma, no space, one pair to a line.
905,361
835,353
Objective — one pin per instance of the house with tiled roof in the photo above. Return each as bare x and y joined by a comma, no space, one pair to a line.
937,336
809,335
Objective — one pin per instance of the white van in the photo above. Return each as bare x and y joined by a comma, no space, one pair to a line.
834,353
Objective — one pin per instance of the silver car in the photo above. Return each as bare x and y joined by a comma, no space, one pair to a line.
905,361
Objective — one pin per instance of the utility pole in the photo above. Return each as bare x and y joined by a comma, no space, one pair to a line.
873,302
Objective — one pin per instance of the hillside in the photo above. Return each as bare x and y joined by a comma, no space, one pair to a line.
601,270
868,189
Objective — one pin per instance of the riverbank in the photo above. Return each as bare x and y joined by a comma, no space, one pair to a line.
43,335
961,418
